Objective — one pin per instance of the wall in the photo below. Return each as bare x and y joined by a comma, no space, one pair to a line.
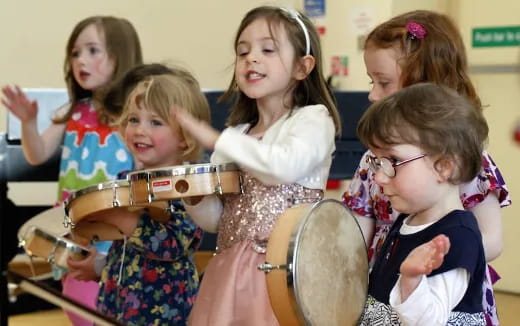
195,34
501,92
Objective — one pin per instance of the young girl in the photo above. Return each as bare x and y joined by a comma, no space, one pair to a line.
425,141
150,277
415,47
100,49
281,134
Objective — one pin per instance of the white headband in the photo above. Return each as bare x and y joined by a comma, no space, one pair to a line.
296,16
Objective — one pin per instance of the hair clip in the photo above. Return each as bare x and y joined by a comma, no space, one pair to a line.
296,16
415,30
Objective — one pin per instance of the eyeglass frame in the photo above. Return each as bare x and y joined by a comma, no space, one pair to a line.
376,166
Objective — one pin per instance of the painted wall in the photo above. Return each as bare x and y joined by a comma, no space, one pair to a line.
501,92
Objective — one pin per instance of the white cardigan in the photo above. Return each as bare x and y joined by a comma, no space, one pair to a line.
295,149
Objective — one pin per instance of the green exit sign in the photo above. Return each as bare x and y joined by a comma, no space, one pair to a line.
496,36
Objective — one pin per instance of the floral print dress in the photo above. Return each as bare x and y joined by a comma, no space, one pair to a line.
150,277
366,198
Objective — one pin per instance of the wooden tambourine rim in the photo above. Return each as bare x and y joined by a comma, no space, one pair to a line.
180,170
183,181
97,187
56,241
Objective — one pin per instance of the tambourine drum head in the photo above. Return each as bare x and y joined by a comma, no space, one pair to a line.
50,220
327,282
330,266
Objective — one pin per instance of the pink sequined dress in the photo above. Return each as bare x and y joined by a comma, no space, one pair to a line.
244,229
289,165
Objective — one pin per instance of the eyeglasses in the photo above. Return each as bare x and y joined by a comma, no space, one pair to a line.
385,163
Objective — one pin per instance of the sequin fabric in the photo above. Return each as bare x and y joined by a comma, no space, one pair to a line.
252,215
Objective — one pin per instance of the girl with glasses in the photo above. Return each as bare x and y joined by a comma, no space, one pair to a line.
427,140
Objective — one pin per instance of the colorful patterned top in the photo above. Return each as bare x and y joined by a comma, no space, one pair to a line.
92,152
366,198
150,279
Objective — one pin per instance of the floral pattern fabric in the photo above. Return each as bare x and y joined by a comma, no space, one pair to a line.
150,277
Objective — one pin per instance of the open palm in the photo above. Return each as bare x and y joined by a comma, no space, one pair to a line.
19,104
427,257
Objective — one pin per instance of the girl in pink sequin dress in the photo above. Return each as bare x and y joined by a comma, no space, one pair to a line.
281,134
100,49
415,47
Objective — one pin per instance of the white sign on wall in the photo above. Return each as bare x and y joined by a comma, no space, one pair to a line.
361,19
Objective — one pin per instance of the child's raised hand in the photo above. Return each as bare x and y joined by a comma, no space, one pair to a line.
19,104
83,270
427,257
200,130
422,261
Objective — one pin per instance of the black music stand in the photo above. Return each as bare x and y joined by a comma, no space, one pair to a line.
14,167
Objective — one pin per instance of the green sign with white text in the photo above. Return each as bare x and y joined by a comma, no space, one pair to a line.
496,36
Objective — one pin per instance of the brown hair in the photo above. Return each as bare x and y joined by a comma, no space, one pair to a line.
435,118
123,46
311,90
162,92
439,57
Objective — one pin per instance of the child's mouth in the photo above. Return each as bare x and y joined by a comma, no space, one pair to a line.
253,75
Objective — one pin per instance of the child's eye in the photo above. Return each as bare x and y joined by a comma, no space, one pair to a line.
74,54
93,50
133,120
156,122
268,50
242,52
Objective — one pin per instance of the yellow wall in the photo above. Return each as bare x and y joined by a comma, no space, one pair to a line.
199,34
195,34
501,91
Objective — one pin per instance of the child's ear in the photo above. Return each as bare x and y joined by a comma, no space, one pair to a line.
183,144
446,168
304,67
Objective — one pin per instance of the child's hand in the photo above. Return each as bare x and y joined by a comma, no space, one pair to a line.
422,261
122,218
83,270
200,130
427,257
17,102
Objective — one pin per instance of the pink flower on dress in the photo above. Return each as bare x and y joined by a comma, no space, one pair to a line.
416,30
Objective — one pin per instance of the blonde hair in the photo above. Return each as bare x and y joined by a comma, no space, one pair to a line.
160,93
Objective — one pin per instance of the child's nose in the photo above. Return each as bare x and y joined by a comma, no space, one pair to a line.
373,95
252,56
140,129
381,178
80,58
